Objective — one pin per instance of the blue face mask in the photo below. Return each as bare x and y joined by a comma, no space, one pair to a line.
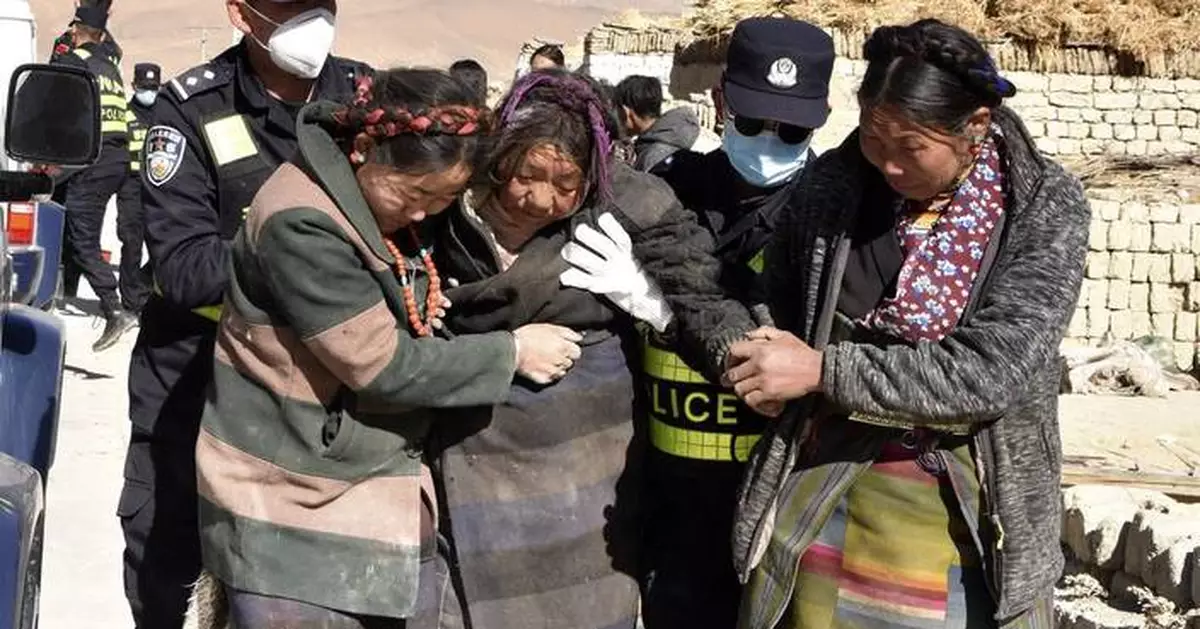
763,160
146,97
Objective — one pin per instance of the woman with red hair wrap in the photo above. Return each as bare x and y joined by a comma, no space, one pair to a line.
316,508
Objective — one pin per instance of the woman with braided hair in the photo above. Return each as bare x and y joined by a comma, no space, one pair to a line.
316,507
540,492
923,275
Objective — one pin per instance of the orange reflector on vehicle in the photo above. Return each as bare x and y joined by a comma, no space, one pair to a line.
21,223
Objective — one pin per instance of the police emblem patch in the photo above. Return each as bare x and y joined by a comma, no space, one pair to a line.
162,154
782,73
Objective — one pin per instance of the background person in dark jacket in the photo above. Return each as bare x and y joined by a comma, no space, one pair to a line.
473,75
88,191
776,90
64,43
922,278
656,135
131,220
547,57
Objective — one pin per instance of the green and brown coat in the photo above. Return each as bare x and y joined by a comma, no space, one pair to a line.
309,459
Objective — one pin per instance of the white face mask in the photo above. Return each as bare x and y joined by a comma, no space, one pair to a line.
300,45
146,97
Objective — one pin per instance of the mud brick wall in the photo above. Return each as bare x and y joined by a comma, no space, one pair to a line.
1134,543
1091,115
1076,100
1074,114
1143,270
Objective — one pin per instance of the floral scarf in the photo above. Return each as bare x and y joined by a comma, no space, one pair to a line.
943,252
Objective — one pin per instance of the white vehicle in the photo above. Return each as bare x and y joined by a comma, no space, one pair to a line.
18,46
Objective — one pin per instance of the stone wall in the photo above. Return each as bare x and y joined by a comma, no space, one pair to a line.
1077,101
1133,560
1076,114
1143,273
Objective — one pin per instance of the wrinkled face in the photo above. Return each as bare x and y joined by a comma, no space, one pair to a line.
399,199
918,162
546,186
255,17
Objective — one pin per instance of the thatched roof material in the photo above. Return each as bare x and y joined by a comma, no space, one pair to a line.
1140,27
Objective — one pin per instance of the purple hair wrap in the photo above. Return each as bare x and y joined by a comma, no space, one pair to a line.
577,97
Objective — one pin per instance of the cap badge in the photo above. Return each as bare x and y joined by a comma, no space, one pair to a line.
782,73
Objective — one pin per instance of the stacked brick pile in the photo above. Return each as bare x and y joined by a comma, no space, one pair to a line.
1094,115
1137,545
1143,273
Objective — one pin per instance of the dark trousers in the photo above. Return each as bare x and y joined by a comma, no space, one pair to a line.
87,195
131,230
158,511
437,608
169,370
690,582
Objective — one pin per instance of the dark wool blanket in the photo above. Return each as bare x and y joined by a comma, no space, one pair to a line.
538,494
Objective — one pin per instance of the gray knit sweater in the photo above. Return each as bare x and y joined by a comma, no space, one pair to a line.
998,370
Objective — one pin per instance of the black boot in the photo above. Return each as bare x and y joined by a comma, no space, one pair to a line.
116,324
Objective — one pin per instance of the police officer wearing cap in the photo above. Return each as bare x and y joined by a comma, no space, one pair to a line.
218,131
147,79
65,43
87,192
776,93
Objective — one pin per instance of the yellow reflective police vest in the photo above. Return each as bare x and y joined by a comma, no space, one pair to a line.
113,101
137,139
691,417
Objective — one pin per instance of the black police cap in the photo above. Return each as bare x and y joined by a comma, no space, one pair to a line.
147,76
779,69
93,16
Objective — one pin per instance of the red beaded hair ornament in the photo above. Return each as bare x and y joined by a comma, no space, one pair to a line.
376,122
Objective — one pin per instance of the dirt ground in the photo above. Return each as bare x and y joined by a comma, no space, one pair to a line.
1148,434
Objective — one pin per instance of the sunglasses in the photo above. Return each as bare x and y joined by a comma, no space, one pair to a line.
788,133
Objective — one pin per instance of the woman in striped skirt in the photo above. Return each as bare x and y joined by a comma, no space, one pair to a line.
923,276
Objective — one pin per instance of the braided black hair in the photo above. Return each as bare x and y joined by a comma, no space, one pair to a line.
933,73
413,119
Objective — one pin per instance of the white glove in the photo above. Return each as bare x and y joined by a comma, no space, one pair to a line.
603,263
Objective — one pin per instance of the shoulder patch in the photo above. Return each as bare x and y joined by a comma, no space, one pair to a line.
200,79
162,153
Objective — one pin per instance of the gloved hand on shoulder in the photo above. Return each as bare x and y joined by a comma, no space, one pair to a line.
602,262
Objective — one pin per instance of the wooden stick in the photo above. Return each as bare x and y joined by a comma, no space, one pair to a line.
1174,485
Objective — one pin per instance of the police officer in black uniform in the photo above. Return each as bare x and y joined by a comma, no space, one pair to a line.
147,79
219,130
776,93
88,191
65,43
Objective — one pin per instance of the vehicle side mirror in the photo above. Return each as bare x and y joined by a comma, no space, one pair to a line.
53,116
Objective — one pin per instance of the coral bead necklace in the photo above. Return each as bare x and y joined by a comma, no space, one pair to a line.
433,298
